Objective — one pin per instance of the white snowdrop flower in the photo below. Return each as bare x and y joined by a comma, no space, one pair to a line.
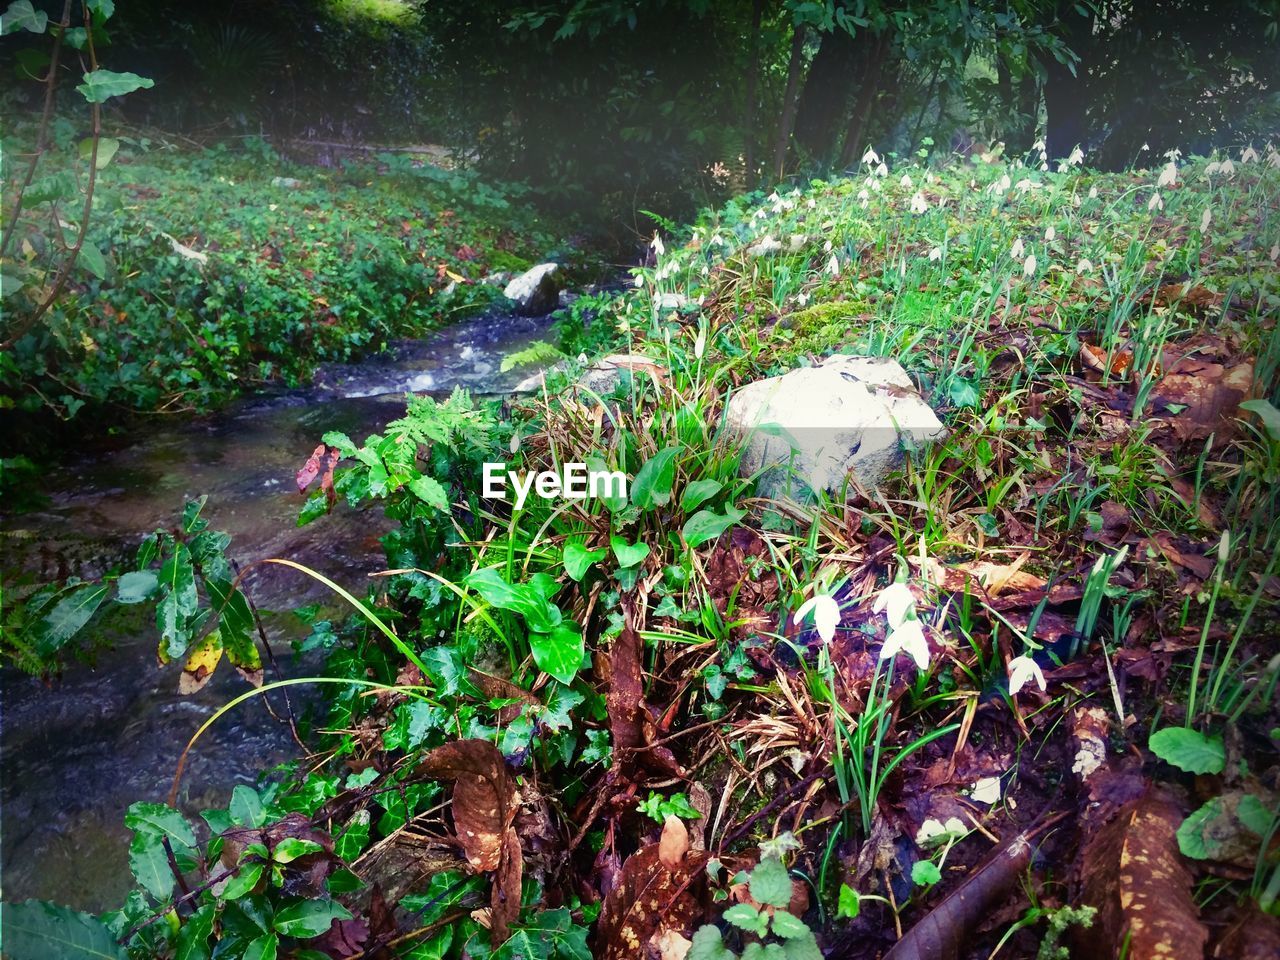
802,298
700,343
1077,156
870,158
773,197
908,638
705,271
1029,265
935,254
833,266
905,182
1205,218
1075,200
639,281
1024,185
1084,266
1050,233
811,203
1275,252
1273,158
1044,167
1155,203
1172,155
895,602
826,615
1168,176
1022,669
1093,193
826,247
1211,168
1228,168
797,241
882,170
1017,249
935,832
863,195
1145,147
1249,155
986,790
918,203
658,248
1038,145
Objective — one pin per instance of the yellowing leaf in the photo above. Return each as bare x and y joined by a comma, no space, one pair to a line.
202,660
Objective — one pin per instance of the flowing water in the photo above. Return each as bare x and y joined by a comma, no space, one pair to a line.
76,752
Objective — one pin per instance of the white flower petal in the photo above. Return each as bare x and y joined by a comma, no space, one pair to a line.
895,602
1022,669
986,790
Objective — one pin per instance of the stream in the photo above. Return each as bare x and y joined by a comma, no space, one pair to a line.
75,752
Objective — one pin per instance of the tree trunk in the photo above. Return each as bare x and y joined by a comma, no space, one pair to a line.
789,97
749,107
1066,94
1021,103
868,86
825,98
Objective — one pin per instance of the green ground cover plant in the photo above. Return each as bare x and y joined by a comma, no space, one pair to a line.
697,722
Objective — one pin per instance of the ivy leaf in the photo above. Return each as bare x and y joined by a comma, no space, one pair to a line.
291,848
706,525
559,652
22,16
1188,750
578,559
628,554
308,918
45,931
101,85
771,883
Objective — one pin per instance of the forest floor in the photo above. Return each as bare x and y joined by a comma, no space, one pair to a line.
1018,700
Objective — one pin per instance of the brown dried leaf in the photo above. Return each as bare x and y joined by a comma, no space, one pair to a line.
648,903
484,809
674,843
1255,936
1134,876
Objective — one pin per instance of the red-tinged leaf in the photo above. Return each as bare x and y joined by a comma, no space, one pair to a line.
1135,877
320,464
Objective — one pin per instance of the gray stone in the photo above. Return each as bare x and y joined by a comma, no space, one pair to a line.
603,376
535,291
815,427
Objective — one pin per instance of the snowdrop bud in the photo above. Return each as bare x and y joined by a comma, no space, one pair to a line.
1084,266
1228,168
1275,252
833,267
1155,203
826,247
1029,264
882,170
700,344
1249,155
1093,193
1205,218
658,248
1168,176
935,253
1077,156
918,203
906,181
1017,249
1050,233
639,281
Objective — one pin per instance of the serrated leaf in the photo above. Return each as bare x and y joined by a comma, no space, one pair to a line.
787,926
1188,750
101,85
771,883
925,873
429,490
746,917
45,931
160,819
708,944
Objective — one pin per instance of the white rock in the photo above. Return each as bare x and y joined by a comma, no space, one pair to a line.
811,428
535,291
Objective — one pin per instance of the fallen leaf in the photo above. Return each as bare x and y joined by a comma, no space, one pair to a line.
648,903
1135,878
1255,936
674,843
484,810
